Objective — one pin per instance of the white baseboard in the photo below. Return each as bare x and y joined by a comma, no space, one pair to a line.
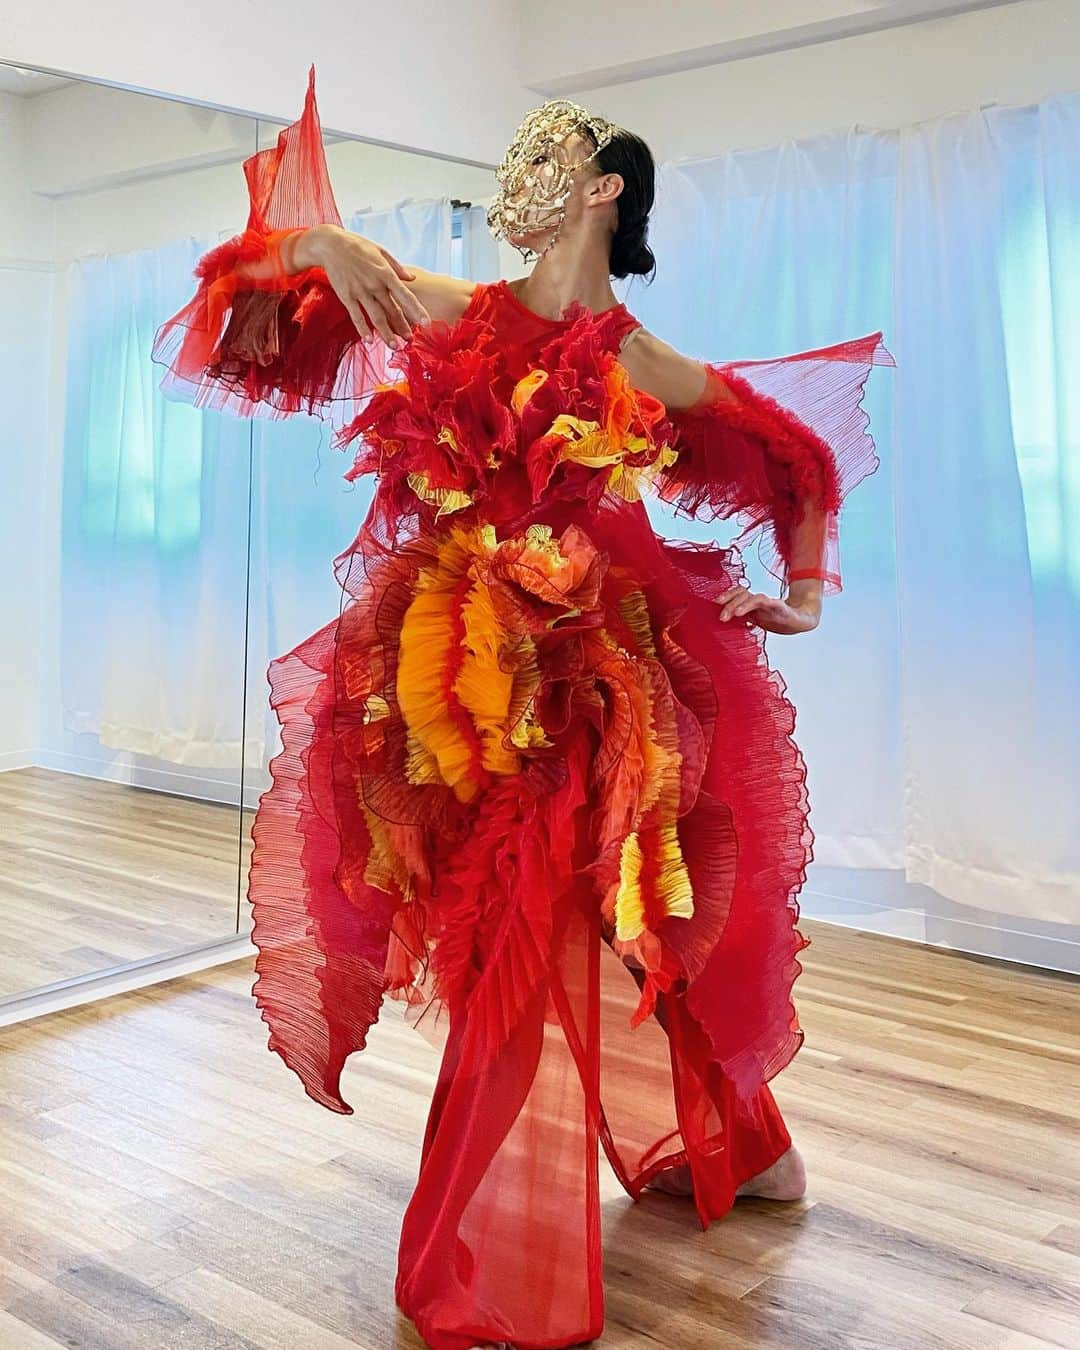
224,789
17,759
153,970
882,902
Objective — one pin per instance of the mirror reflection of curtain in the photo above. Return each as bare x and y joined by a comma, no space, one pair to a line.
154,529
937,703
156,500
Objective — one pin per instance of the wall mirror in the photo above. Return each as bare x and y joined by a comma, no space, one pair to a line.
157,556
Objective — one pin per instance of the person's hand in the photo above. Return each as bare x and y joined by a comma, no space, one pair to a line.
768,611
367,279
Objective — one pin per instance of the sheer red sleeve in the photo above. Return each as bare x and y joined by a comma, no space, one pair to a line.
258,338
778,444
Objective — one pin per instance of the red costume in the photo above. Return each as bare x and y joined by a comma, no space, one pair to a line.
528,764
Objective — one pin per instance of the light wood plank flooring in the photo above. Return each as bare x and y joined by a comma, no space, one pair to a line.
95,874
166,1183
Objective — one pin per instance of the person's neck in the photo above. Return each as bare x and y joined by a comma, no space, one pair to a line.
557,279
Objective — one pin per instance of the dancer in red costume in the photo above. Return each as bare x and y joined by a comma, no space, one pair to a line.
540,754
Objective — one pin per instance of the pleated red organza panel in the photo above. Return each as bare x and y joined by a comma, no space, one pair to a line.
744,833
334,929
258,339
779,444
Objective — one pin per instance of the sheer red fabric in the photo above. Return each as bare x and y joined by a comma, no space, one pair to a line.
502,946
257,338
779,444
534,789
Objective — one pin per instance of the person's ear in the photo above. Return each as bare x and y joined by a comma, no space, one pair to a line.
605,187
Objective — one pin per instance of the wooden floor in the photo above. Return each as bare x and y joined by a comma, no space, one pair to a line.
166,1183
95,874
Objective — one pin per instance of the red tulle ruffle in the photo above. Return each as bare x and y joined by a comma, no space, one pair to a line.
256,339
460,434
779,444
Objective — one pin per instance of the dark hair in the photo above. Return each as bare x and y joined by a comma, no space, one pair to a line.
628,155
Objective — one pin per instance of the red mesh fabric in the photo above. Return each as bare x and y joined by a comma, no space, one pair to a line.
322,945
779,444
257,339
473,863
502,1237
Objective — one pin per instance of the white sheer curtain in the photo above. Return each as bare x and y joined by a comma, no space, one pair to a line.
156,503
154,529
937,703
987,322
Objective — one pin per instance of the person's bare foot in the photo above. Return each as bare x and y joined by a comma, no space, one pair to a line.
784,1180
672,1181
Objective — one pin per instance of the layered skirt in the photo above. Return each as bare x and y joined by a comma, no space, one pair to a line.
534,788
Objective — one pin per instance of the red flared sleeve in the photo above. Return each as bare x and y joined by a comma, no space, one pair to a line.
257,338
778,444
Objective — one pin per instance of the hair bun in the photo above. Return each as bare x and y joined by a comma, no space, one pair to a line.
630,254
629,156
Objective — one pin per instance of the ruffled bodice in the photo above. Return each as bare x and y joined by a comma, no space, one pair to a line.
502,415
522,333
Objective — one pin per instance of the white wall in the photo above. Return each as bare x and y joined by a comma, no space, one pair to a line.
455,80
181,174
26,307
1008,54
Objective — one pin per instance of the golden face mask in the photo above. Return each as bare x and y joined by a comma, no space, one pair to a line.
535,177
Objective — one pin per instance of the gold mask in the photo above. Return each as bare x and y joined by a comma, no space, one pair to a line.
534,179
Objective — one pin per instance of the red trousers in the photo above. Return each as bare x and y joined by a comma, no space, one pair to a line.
501,1239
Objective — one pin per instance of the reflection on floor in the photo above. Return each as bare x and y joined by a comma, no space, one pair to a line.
167,1182
95,874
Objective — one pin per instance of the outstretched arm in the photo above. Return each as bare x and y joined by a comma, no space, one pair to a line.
278,315
686,386
367,279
